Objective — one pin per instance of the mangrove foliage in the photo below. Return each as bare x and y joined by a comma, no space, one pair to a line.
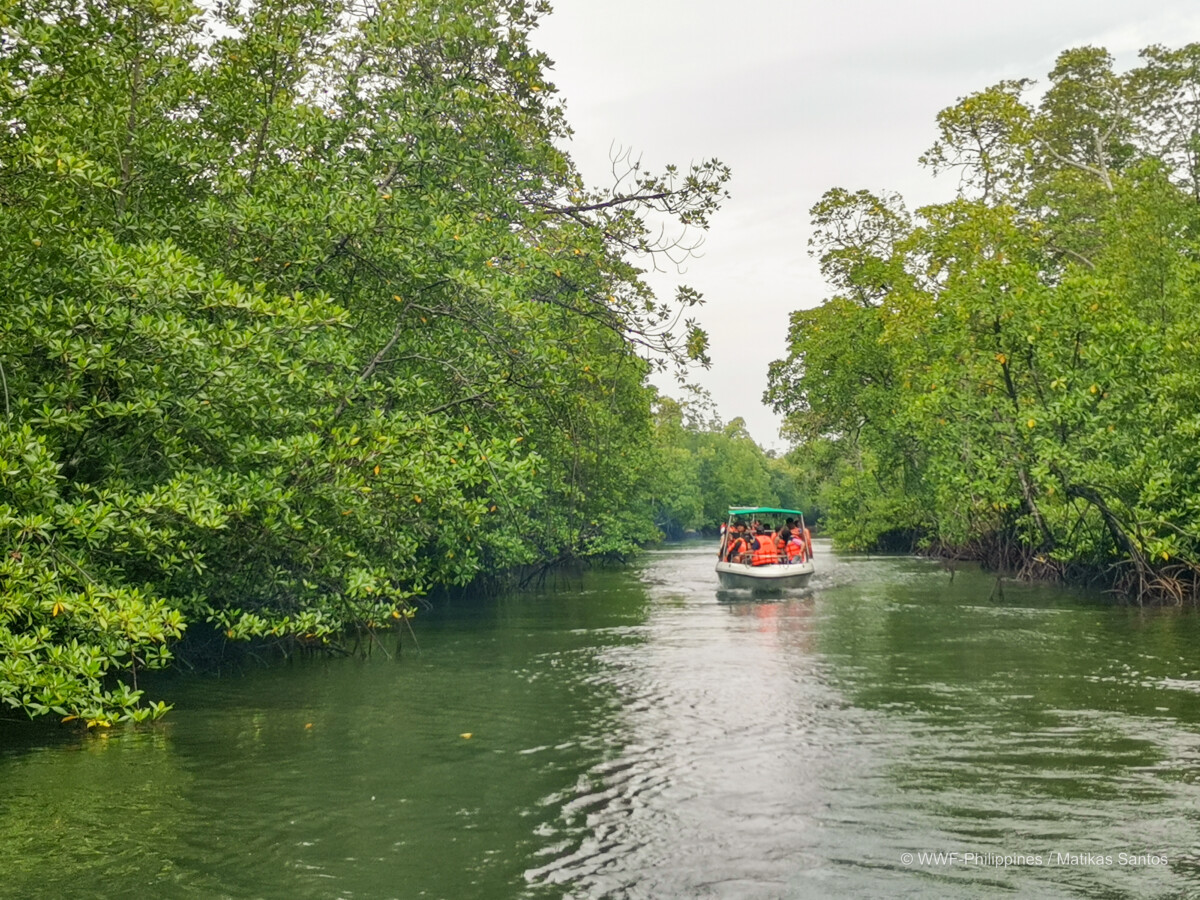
704,466
1014,374
305,311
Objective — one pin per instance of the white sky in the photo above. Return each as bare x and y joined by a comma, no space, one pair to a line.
798,97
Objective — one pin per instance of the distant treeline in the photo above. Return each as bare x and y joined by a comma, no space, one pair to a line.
1014,374
305,312
703,467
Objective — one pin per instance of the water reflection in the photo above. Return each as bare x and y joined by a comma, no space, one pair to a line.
725,717
789,618
640,734
794,743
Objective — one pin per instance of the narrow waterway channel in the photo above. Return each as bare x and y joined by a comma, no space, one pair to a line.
637,734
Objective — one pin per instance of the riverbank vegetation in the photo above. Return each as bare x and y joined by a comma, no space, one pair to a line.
1014,374
705,466
305,312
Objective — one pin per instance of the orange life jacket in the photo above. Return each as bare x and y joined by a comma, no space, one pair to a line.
795,547
736,548
767,552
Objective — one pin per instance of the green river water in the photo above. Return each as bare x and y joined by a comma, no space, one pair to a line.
637,734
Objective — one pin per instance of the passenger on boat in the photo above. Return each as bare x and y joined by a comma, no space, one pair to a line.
737,546
782,536
796,549
765,548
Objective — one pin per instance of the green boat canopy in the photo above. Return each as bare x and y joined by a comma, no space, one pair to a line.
752,510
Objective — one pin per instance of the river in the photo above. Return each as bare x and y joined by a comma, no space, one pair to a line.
888,732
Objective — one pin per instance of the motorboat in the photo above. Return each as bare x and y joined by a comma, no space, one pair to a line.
773,576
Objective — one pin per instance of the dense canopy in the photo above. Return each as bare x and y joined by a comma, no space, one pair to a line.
1014,374
305,313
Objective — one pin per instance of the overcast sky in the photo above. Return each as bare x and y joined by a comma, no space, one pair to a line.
797,97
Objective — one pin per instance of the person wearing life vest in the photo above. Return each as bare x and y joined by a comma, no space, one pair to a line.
808,541
736,546
795,548
765,549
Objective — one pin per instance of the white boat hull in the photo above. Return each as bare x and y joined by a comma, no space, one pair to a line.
774,577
